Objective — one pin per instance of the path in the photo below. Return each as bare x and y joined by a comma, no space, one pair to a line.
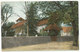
45,46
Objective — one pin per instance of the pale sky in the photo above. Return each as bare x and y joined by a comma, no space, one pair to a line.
17,8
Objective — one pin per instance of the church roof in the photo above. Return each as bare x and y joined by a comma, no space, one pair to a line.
18,24
21,19
52,26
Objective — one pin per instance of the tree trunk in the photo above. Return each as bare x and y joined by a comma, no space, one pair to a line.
2,24
5,33
27,30
75,34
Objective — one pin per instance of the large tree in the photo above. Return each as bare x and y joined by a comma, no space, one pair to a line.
71,15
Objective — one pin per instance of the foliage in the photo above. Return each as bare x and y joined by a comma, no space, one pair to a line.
6,27
43,33
72,14
31,19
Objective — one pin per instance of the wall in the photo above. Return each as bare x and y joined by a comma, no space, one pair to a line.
66,33
65,38
67,29
8,42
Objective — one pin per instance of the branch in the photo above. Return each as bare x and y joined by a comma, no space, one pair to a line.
58,5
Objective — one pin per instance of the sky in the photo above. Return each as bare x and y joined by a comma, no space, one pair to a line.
18,8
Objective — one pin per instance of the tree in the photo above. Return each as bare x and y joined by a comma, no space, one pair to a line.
72,16
6,12
32,21
31,18
6,31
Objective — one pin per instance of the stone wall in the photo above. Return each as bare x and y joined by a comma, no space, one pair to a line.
65,38
8,42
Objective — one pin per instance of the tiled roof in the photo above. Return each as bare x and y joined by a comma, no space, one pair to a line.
20,19
52,26
18,24
66,29
49,27
42,22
